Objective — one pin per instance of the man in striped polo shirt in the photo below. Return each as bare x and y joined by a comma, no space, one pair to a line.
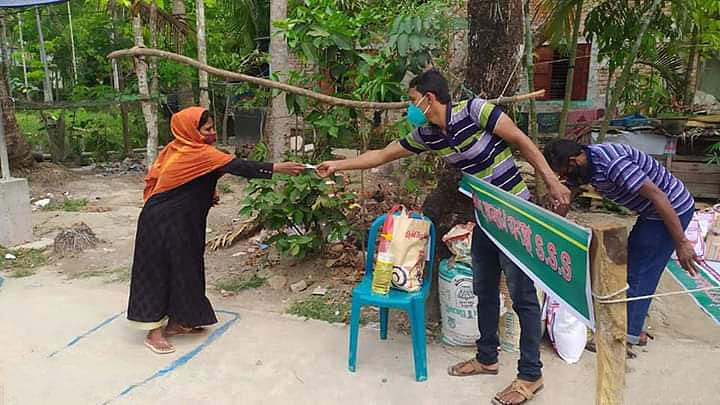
475,136
635,180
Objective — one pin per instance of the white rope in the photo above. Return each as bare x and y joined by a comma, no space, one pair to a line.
618,292
603,299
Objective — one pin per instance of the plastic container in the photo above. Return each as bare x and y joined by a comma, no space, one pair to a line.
383,274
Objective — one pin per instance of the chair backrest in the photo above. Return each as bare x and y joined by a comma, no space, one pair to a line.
372,247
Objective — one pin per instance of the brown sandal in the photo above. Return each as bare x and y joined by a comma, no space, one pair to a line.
526,389
645,338
477,368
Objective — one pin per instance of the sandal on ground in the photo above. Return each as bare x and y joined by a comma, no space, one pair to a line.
590,346
645,338
526,389
159,350
461,369
181,330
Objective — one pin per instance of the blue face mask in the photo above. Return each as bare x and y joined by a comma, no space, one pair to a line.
415,116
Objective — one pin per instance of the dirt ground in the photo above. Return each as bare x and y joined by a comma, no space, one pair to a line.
114,203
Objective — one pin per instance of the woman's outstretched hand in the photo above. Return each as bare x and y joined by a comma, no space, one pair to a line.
292,168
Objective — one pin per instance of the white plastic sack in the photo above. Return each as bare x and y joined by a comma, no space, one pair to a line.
567,333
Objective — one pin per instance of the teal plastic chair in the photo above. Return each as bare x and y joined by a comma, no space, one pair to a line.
413,303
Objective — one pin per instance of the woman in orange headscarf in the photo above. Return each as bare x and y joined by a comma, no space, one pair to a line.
167,289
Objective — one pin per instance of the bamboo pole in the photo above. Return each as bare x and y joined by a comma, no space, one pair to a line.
608,261
368,105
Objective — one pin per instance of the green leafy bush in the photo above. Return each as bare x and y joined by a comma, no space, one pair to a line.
305,210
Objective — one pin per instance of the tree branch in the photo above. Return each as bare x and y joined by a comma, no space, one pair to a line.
335,101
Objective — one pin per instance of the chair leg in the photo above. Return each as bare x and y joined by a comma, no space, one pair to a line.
417,318
354,329
384,322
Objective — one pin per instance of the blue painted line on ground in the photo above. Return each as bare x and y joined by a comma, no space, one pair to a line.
185,358
2,280
76,339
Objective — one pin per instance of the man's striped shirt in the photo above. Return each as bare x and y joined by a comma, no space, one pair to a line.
618,171
471,146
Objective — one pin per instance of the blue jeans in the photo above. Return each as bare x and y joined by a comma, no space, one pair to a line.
487,261
650,247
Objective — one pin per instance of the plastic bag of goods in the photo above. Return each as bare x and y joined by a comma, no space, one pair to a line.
567,333
458,305
459,242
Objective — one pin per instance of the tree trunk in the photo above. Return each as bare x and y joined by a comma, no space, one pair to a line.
625,75
571,70
149,112
5,50
72,43
202,53
494,43
279,122
18,148
154,75
119,85
226,115
692,68
22,56
47,87
186,97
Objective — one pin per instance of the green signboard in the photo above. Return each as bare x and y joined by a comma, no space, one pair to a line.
551,250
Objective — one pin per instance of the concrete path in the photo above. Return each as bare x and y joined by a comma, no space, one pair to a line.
66,342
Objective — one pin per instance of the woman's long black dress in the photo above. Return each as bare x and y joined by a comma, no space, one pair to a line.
168,273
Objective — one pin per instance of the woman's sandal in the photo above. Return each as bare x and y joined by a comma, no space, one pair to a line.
159,350
526,389
590,346
477,368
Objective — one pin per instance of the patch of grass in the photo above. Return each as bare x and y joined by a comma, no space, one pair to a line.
121,275
225,188
111,276
24,259
85,274
67,205
329,308
235,284
20,273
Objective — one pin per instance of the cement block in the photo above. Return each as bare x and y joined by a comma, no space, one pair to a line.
15,212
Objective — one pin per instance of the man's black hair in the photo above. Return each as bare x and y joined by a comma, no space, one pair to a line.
432,81
204,118
559,151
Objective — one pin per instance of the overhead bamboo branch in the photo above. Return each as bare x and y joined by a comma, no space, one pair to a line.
367,105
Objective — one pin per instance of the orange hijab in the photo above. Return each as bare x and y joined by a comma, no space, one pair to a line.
184,159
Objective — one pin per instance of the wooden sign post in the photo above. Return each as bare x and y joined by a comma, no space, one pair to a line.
608,266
